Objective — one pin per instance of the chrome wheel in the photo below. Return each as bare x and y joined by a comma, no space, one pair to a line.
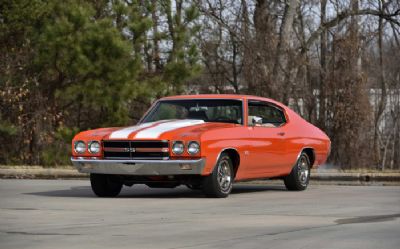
299,177
219,183
303,171
224,175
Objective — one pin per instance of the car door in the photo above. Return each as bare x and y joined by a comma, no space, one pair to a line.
266,123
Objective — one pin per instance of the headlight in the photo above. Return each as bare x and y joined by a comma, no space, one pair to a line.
178,147
80,147
193,148
94,147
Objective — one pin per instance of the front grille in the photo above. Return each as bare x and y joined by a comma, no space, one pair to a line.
136,149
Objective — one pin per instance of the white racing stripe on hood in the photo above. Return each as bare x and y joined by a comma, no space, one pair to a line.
156,131
124,133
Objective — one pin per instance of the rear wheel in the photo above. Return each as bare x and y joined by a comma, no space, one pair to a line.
300,175
219,183
105,185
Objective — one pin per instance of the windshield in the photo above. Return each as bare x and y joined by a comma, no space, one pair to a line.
209,110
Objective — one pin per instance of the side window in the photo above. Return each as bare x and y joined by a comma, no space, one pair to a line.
265,114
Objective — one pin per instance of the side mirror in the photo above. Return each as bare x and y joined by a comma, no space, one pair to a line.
257,120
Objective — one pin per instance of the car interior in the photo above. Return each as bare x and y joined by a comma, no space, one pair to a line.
263,114
216,110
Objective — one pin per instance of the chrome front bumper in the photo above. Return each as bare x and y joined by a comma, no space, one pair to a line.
140,167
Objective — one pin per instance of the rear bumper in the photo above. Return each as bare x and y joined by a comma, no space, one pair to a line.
140,167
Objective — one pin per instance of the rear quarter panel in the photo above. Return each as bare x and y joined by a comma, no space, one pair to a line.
300,135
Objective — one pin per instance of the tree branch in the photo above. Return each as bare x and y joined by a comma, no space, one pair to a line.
344,15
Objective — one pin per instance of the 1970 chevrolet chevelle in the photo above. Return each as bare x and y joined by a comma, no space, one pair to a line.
205,142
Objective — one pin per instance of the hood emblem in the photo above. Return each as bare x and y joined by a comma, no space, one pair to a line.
129,149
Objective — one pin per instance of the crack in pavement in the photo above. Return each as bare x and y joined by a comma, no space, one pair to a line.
31,233
338,222
367,219
253,236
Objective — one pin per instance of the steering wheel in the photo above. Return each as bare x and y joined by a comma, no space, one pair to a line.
222,118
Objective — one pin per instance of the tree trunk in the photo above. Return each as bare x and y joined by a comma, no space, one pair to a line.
323,69
284,32
382,95
156,48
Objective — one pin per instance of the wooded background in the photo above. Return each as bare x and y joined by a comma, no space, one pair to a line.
72,65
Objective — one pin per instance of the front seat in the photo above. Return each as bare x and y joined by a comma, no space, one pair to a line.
201,115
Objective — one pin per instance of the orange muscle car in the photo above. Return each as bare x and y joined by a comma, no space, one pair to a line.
205,142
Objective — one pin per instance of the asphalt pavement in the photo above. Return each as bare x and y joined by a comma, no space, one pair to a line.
65,214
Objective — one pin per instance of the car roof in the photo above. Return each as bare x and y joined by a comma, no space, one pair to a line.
222,96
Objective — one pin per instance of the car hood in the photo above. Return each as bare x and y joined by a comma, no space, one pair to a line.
160,130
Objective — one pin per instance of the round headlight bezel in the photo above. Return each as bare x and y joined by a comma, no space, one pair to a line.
176,143
195,143
82,149
90,144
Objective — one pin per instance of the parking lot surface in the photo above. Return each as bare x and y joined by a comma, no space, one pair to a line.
65,214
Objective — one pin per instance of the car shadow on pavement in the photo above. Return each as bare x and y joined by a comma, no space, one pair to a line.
81,191
145,192
250,188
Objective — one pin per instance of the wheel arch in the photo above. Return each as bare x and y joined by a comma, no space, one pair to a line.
234,156
310,152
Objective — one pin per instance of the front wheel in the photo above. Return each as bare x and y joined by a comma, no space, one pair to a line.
299,177
219,183
105,185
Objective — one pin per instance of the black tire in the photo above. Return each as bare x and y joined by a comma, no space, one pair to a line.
219,183
299,177
105,185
